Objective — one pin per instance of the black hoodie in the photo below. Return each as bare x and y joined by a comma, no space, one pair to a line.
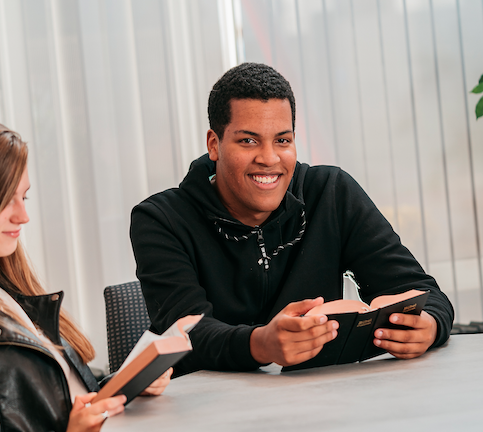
194,257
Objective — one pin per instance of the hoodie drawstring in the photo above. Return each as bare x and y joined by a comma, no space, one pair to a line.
265,259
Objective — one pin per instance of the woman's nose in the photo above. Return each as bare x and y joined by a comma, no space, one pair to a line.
19,215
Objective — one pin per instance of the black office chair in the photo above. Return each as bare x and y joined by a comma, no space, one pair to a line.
127,319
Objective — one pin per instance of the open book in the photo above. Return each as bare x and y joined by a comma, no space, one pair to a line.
149,359
357,324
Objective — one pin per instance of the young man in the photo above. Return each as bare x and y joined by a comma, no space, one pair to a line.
253,239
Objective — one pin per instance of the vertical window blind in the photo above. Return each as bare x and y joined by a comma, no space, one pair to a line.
111,96
382,90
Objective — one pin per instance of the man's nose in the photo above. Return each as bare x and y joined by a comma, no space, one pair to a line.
267,155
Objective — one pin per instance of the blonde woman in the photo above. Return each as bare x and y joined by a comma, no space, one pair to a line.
45,383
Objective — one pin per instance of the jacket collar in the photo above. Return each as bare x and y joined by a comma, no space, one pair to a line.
43,310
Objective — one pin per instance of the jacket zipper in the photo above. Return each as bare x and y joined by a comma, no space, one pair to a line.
261,244
265,261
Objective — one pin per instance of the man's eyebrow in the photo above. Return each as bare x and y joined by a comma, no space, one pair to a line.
247,132
285,132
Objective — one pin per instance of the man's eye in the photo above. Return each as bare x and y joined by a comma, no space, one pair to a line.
248,140
283,141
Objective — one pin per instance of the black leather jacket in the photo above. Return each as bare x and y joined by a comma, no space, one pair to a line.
34,394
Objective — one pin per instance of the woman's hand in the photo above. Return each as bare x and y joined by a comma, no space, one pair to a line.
157,387
85,417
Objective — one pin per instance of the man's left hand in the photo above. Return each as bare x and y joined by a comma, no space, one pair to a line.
408,343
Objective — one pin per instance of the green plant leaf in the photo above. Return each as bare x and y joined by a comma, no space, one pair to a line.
479,109
478,89
481,79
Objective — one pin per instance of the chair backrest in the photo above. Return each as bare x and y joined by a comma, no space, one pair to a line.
127,319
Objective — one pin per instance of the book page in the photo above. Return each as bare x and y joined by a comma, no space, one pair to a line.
179,329
386,300
339,306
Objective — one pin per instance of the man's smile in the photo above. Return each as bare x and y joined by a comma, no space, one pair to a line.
266,179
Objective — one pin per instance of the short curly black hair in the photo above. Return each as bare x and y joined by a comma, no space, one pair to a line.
246,81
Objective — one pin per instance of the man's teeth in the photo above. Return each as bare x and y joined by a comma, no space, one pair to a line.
265,179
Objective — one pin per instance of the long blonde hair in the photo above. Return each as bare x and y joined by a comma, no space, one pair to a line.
15,270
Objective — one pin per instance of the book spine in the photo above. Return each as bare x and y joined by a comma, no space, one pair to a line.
362,331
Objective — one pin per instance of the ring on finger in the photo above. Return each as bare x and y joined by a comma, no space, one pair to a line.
105,415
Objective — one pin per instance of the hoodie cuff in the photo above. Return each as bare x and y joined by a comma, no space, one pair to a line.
444,329
240,349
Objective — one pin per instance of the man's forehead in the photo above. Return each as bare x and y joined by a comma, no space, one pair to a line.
253,133
252,109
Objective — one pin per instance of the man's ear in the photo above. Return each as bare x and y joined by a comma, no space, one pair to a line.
212,143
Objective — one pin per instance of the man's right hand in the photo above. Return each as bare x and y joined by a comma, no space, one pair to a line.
290,338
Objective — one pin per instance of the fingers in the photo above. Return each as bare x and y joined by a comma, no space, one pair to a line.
401,350
305,328
81,401
157,387
87,417
292,319
290,338
304,345
106,408
294,352
411,342
298,324
413,321
167,375
112,406
297,309
274,343
111,403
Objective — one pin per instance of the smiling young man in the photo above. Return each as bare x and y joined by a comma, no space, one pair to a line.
256,161
253,239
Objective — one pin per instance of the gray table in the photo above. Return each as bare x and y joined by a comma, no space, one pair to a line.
440,391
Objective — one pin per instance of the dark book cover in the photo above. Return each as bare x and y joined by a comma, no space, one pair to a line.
354,341
362,331
150,373
412,306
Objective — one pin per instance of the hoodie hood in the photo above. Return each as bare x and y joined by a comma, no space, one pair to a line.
198,186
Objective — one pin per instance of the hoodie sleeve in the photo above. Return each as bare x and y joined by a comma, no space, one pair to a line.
170,284
381,264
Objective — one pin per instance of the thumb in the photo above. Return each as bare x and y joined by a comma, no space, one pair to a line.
302,307
81,401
